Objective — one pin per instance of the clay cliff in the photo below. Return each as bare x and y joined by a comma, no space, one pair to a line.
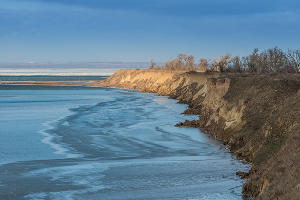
257,116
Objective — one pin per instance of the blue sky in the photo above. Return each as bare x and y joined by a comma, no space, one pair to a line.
140,30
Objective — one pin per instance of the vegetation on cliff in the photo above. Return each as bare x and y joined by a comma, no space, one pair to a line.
272,60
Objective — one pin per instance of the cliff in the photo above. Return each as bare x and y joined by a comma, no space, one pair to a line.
257,116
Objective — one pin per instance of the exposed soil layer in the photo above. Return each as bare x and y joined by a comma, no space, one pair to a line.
257,116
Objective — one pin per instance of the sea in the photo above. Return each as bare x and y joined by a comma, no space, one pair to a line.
94,143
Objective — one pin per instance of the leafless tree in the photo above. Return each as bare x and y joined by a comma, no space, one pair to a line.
267,61
294,60
187,61
190,62
251,61
152,64
236,64
174,64
221,63
203,65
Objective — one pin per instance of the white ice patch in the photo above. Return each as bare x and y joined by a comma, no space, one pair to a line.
87,175
59,149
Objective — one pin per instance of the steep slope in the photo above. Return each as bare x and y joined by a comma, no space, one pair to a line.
258,116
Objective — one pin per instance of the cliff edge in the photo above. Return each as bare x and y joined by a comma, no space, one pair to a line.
257,116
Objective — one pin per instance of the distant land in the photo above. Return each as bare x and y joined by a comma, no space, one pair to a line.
67,69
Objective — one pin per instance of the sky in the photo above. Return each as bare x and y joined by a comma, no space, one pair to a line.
141,30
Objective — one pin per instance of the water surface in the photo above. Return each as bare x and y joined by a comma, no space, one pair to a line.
111,144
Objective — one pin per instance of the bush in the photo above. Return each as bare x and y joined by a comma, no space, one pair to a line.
272,60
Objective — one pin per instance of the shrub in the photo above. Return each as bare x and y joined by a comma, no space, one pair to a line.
273,60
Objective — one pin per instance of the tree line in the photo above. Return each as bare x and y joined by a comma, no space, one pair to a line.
273,60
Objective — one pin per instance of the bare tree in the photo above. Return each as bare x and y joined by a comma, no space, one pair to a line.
152,64
203,65
268,61
294,61
174,64
221,63
252,61
236,64
187,61
277,60
190,62
181,58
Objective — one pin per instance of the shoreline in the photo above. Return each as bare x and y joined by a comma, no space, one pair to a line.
256,116
251,114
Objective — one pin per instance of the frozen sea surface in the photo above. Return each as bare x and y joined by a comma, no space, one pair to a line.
96,143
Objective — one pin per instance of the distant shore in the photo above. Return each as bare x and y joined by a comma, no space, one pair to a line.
91,83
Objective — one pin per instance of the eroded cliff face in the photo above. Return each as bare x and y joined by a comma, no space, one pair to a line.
257,116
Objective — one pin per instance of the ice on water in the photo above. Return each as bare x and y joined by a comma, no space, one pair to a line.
107,144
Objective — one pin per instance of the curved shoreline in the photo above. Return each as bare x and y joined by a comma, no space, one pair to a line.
255,115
